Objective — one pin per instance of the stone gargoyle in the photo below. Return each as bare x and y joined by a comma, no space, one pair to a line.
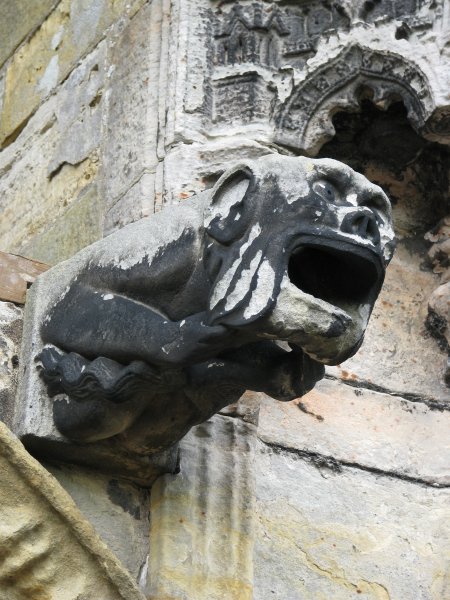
253,285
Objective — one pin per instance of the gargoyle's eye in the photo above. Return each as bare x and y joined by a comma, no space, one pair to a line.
326,190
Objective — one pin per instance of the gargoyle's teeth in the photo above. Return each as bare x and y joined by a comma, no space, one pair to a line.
338,277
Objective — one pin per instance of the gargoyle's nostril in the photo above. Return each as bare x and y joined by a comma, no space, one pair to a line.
363,224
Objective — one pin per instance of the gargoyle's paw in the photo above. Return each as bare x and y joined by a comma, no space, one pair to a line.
102,378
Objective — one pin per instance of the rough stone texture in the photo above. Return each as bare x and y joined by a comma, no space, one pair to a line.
17,20
10,336
192,168
202,526
118,510
356,426
45,166
321,534
49,550
78,227
70,31
136,203
326,534
133,94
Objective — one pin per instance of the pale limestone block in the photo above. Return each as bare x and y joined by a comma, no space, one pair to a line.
136,203
49,550
132,97
358,426
187,86
79,111
202,529
192,168
323,534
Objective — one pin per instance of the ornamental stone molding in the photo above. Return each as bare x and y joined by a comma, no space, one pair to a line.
303,121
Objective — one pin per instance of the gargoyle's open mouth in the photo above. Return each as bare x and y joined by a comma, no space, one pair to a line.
338,273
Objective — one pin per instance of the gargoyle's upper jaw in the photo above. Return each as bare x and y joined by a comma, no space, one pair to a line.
337,271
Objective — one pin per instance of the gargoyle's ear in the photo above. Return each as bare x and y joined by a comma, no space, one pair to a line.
225,217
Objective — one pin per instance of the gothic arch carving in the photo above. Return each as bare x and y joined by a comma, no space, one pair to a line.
303,121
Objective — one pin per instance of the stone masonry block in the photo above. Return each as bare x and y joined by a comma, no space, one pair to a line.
78,227
353,425
132,96
17,20
348,534
55,158
70,31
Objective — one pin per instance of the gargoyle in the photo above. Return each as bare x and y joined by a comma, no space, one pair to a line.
255,284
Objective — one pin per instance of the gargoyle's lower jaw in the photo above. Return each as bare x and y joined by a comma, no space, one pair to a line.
326,298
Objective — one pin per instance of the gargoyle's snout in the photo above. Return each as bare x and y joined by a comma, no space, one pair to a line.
362,222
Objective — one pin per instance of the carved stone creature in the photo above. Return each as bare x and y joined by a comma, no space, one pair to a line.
254,284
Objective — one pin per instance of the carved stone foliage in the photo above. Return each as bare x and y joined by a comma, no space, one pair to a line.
386,75
157,327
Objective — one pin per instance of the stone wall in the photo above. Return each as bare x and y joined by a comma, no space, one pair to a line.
113,110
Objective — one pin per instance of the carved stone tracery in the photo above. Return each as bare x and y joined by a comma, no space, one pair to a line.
304,120
260,46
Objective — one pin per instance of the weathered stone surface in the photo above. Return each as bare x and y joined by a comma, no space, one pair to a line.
78,227
48,548
356,426
79,111
192,168
398,353
56,162
133,95
118,511
278,72
326,534
17,20
202,525
70,31
136,203
10,336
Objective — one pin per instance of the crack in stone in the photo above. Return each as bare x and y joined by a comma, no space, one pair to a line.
322,461
432,403
379,591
